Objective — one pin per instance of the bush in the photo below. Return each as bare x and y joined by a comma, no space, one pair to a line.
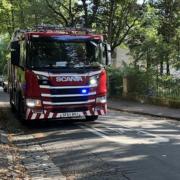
115,82
140,81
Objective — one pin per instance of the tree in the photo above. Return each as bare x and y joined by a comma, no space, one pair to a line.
4,40
119,18
143,40
113,18
155,39
168,12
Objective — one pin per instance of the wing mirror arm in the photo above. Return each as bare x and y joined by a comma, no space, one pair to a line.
108,54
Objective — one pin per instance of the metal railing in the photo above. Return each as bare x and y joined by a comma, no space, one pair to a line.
168,88
159,87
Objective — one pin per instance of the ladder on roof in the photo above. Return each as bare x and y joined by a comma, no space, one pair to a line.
61,28
54,28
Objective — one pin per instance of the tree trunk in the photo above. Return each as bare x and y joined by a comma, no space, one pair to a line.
12,16
161,67
148,60
22,20
85,8
167,67
110,22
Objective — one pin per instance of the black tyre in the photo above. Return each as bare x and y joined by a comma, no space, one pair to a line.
91,118
21,110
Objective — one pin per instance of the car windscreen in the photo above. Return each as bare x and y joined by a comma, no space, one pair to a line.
54,52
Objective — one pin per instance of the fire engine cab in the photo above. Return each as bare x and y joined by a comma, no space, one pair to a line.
58,73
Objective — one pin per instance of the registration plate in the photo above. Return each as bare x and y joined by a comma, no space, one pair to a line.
71,114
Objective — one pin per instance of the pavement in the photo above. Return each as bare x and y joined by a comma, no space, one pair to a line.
10,163
144,109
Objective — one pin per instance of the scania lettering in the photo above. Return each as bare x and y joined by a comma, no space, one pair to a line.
58,73
70,79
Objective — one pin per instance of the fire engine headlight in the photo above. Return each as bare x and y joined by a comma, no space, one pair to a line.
40,77
43,79
33,103
101,99
93,80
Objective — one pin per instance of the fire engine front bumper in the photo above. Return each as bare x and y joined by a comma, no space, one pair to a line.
33,114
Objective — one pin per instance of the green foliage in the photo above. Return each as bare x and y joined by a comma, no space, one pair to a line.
115,19
150,30
154,41
140,81
115,82
167,86
4,54
149,84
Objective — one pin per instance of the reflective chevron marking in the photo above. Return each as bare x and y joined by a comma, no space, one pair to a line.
51,115
34,115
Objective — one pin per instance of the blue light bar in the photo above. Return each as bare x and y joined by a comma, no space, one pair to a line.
71,38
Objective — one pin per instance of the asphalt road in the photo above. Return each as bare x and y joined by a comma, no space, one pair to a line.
119,146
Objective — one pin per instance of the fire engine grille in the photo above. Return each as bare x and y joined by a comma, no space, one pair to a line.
67,91
67,99
68,95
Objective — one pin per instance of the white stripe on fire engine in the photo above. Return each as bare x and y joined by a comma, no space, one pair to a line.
68,95
65,103
66,87
34,116
102,112
88,113
67,74
96,113
41,116
50,115
27,113
58,115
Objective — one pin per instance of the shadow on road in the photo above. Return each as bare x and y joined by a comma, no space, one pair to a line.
140,153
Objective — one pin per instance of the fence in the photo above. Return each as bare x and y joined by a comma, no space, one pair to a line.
168,88
156,87
144,84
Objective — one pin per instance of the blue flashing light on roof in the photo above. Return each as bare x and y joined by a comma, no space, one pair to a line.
71,38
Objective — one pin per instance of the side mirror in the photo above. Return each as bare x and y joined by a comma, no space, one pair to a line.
108,54
15,53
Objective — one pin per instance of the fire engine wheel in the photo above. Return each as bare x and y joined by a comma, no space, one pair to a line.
91,118
21,110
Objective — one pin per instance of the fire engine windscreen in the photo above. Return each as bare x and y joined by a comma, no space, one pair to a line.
57,52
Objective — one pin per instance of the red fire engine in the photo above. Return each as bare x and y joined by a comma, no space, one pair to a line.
58,73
